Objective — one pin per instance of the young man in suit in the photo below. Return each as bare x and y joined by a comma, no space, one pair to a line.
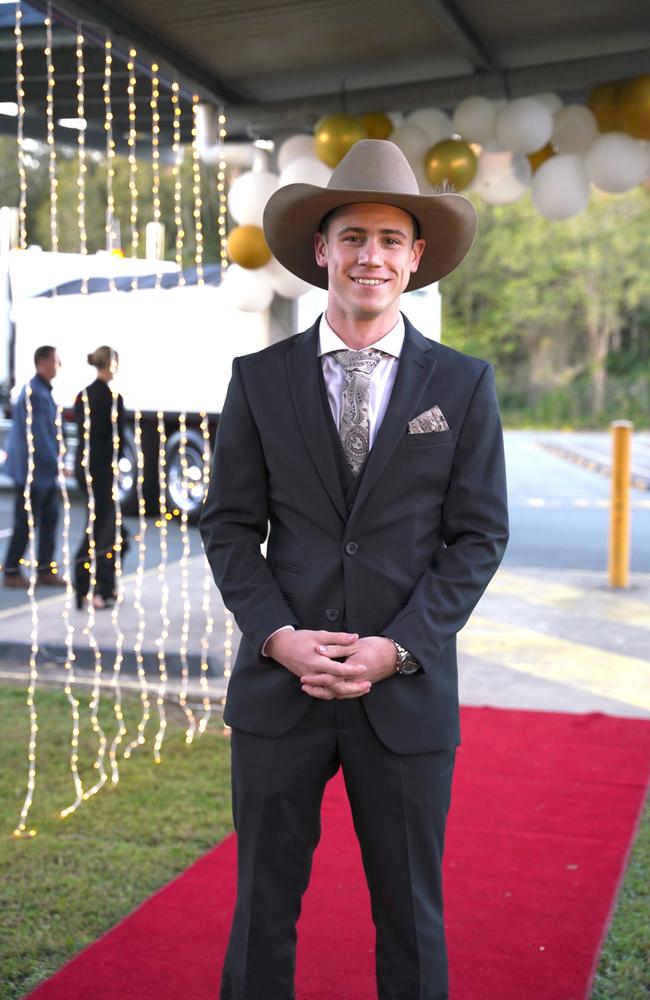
373,460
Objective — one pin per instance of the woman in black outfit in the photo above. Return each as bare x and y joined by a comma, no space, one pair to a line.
100,466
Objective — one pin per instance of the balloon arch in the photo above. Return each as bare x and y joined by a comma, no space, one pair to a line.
495,149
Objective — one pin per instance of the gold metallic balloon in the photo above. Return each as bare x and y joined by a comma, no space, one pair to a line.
633,106
377,125
452,161
247,247
602,101
334,135
540,156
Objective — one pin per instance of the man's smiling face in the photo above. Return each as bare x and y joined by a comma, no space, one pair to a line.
370,252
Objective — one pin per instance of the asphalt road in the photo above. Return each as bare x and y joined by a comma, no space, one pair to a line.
559,511
559,515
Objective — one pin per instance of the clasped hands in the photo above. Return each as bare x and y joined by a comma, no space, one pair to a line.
315,658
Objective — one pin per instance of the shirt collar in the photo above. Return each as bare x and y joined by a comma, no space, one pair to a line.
39,380
391,343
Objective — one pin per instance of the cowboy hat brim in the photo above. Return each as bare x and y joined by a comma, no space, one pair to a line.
447,222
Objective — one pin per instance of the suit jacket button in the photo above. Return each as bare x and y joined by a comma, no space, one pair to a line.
351,548
332,614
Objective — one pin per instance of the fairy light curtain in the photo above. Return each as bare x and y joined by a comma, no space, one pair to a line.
112,748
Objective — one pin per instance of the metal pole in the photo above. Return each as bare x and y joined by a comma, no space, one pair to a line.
619,534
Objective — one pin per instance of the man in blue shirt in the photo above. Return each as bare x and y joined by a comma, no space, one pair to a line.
44,491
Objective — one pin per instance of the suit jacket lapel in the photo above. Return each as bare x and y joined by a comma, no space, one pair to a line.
416,365
303,375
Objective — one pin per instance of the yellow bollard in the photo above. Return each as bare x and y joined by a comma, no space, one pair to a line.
619,530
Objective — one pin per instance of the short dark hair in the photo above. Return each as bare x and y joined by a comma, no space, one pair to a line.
43,353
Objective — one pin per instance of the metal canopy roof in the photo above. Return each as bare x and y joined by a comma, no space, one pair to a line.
278,65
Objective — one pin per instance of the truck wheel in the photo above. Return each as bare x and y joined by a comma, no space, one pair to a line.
128,475
185,494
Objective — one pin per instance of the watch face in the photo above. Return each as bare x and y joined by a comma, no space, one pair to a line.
409,666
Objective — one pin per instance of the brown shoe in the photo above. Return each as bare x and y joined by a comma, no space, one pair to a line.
15,580
49,579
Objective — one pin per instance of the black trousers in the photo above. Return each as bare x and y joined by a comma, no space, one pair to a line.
399,806
103,532
45,507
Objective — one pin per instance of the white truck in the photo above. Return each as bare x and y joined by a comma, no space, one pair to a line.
175,344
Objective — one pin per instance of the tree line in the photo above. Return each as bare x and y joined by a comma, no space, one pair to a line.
562,309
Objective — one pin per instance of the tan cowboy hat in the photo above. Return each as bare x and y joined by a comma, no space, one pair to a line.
373,171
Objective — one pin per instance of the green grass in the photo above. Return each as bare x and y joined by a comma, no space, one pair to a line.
624,967
79,876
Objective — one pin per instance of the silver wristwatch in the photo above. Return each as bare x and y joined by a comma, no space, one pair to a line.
406,662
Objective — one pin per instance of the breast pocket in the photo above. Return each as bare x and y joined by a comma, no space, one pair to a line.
427,439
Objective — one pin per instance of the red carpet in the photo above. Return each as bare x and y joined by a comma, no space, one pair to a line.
543,814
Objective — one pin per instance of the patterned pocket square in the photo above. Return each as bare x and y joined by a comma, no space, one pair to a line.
430,420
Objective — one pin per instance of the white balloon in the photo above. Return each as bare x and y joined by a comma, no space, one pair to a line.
412,140
561,187
284,283
293,148
616,162
524,125
435,123
249,194
249,291
551,101
502,176
646,152
475,119
422,179
574,129
396,117
305,170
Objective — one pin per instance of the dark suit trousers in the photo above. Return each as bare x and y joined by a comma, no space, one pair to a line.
399,805
45,507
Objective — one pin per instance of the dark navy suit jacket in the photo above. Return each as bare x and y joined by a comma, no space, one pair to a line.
425,534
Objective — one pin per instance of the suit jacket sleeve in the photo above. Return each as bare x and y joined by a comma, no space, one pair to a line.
234,522
474,533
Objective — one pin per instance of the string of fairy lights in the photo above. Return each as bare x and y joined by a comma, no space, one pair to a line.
70,679
21,829
109,749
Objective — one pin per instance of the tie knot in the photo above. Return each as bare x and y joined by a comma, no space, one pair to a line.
362,362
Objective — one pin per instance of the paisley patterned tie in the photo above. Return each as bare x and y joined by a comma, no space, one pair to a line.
355,428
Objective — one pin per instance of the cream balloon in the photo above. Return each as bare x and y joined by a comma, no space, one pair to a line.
437,124
524,125
475,119
574,129
284,283
502,177
293,148
305,170
249,291
616,162
412,140
551,101
249,194
561,187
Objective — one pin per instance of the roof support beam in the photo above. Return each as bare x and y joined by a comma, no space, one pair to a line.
460,32
573,79
98,16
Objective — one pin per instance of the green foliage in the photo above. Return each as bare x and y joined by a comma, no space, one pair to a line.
39,217
78,877
557,307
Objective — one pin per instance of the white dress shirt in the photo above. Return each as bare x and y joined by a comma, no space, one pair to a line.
381,383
